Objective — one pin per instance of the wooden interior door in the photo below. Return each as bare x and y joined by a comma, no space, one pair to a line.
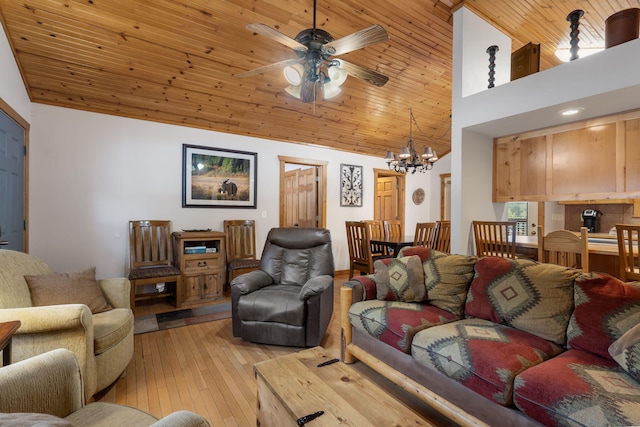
303,198
300,198
386,199
290,198
307,197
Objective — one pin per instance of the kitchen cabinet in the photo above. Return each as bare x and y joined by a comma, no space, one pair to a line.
597,159
520,168
200,256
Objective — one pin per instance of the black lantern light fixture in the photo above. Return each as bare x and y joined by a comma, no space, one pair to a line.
408,160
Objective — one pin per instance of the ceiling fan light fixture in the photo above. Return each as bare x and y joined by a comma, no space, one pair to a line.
337,75
330,90
293,74
294,90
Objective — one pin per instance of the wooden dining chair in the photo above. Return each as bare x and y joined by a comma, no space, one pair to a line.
495,238
628,241
358,241
151,260
240,247
565,248
392,228
425,234
442,240
376,231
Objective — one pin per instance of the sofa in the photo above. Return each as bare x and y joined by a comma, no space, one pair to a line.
46,390
36,296
496,341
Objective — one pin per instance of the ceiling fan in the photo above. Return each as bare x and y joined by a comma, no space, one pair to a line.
315,70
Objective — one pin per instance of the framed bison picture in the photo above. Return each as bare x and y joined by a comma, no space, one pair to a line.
218,178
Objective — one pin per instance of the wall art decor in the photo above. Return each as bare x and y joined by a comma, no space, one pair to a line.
218,178
350,185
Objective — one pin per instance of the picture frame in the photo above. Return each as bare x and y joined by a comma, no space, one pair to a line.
218,177
350,185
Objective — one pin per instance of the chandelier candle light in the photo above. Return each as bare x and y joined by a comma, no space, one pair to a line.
408,160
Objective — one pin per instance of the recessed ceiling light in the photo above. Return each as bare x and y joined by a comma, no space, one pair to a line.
571,111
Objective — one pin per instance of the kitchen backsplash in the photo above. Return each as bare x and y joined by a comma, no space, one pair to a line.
611,215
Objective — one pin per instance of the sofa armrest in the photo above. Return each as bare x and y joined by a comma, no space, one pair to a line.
48,383
316,286
117,291
182,419
46,328
49,318
364,288
250,282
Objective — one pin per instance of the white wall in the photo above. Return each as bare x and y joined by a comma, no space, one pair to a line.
475,59
12,90
429,181
92,173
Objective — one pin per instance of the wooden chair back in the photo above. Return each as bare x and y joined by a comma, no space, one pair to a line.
495,238
358,240
425,234
151,260
564,247
376,231
442,241
628,241
150,244
393,228
240,238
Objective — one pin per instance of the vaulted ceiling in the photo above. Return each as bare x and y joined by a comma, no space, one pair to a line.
173,61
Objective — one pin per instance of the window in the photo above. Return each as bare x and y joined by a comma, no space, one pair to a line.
517,211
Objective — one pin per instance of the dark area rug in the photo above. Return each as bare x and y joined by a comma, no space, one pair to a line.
175,319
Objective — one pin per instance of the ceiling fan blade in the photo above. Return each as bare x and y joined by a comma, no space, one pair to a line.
363,38
276,35
266,68
365,74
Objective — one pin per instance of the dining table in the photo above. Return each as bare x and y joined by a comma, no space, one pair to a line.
394,243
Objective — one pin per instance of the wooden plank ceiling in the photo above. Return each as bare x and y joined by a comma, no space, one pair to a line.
173,61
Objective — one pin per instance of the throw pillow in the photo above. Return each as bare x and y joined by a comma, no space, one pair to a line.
605,308
626,351
400,279
68,288
530,296
446,276
21,419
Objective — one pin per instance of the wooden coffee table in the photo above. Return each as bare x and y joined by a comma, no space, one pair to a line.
293,386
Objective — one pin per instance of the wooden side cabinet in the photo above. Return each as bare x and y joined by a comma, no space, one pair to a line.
200,256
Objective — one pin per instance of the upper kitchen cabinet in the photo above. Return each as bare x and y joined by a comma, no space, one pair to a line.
597,159
520,169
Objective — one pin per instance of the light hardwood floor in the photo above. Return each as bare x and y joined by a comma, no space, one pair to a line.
205,369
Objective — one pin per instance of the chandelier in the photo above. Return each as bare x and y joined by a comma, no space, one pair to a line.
408,160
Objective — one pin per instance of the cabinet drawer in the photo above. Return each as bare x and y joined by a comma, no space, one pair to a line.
202,264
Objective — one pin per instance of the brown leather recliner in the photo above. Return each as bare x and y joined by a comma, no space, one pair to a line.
289,299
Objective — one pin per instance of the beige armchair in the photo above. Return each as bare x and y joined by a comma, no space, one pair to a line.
102,343
50,384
